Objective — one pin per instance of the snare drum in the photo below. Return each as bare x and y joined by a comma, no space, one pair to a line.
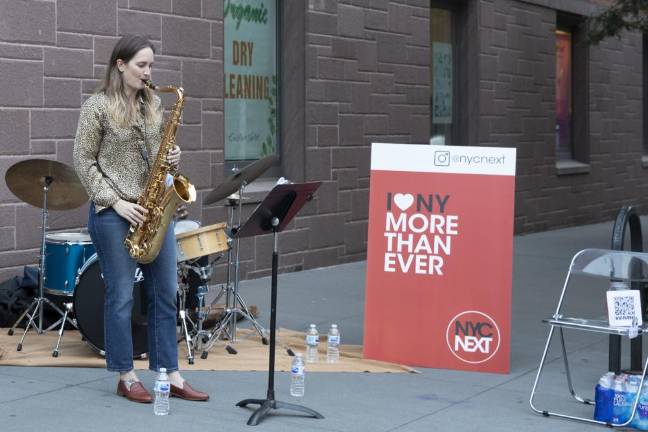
65,254
202,241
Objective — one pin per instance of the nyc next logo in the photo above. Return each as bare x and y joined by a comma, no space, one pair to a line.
418,233
473,337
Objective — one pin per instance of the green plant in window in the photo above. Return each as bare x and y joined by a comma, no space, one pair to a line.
269,147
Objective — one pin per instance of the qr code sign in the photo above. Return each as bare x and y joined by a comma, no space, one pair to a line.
624,308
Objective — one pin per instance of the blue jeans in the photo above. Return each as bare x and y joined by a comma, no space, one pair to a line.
108,231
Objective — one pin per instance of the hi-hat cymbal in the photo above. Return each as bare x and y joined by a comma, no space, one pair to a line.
235,197
26,180
234,182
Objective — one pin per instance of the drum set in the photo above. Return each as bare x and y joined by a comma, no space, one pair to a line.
70,279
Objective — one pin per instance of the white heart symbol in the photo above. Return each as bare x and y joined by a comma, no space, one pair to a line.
403,201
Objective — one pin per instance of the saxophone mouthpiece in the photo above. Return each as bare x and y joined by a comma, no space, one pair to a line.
149,84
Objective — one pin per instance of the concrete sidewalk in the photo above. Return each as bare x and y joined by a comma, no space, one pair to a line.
72,399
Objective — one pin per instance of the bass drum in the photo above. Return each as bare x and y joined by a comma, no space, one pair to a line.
89,309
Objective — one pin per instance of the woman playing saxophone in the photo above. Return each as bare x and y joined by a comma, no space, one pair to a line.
117,140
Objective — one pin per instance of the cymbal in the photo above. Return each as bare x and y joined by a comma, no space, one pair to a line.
234,182
26,180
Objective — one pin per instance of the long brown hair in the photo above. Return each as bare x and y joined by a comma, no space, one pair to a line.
123,111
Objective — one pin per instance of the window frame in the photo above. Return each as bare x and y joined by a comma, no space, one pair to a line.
580,138
454,7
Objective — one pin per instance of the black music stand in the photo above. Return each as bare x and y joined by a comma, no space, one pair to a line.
272,215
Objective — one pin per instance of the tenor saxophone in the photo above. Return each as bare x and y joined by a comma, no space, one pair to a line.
144,241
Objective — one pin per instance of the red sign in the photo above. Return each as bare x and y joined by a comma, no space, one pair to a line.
439,258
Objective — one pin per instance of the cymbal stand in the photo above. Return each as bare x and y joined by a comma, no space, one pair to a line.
38,304
234,303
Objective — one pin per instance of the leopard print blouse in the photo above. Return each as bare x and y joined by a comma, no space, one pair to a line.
111,161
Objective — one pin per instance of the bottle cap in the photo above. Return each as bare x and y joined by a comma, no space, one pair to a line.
162,370
618,285
334,325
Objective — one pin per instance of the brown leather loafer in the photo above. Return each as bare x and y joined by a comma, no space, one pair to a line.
188,393
137,392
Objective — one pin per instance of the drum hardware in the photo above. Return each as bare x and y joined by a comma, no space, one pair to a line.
183,225
234,303
205,274
68,309
194,338
61,186
185,334
194,245
65,270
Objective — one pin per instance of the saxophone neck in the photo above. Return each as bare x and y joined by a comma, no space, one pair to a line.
179,91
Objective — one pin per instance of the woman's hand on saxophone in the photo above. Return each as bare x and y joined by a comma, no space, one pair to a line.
133,213
174,157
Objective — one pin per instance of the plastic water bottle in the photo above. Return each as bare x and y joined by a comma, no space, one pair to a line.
312,341
640,420
632,388
333,344
297,376
618,285
162,391
620,409
604,397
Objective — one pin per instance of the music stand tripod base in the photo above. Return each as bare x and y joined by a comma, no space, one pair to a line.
272,215
266,405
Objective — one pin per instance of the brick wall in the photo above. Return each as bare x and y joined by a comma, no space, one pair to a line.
367,73
353,72
516,99
52,54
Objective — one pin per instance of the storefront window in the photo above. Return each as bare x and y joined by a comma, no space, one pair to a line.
442,73
564,95
250,79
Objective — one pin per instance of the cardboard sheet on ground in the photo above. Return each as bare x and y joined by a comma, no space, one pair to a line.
252,354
